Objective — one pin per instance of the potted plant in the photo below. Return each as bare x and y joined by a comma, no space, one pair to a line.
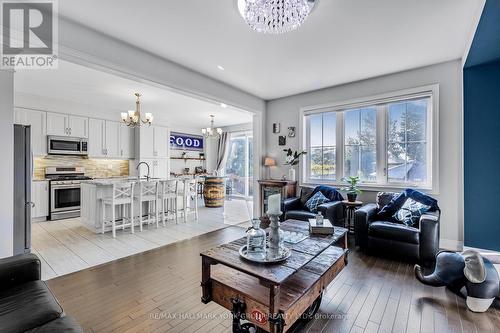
292,159
352,189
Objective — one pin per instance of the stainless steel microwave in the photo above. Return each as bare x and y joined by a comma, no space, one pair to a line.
65,145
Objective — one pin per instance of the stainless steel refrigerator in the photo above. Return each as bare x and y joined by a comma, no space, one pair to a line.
23,171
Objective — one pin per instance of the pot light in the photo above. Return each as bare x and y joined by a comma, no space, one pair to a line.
220,67
223,105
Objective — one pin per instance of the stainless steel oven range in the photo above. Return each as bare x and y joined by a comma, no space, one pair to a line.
64,198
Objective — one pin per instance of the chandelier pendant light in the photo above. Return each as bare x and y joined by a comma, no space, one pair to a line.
133,118
211,131
275,16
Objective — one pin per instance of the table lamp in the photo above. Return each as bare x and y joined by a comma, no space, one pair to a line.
269,162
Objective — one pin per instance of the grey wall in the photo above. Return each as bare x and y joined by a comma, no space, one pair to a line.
7,165
449,77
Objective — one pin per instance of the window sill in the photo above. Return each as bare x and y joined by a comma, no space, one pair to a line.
376,187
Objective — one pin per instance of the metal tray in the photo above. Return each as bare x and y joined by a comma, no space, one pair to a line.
284,255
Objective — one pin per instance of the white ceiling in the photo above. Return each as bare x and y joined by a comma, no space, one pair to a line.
342,40
77,89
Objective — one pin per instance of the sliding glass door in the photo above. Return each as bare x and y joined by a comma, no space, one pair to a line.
239,164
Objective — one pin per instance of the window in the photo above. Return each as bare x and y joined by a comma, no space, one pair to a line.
239,164
360,155
386,142
321,151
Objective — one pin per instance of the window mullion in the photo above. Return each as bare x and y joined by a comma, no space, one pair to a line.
381,140
339,151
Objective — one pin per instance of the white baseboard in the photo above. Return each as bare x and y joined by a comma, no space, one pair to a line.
451,244
485,251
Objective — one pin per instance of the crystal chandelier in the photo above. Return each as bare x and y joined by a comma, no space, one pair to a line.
211,131
275,16
133,118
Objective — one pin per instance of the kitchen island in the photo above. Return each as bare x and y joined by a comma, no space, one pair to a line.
93,191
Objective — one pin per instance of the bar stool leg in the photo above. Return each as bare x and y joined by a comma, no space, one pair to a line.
122,209
184,210
103,207
132,227
156,213
164,208
113,217
176,200
196,207
140,215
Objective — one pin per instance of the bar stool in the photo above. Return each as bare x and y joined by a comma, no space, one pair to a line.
148,192
169,199
122,194
189,191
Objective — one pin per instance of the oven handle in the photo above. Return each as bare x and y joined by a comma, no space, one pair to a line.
55,187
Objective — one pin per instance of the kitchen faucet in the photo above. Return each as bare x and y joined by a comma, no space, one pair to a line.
139,173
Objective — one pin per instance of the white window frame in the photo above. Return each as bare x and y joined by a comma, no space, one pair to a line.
431,91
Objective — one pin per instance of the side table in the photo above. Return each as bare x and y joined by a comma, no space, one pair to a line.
350,208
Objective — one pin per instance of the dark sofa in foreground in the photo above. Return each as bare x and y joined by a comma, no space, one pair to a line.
26,303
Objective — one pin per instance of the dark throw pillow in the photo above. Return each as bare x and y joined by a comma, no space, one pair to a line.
305,194
317,199
410,212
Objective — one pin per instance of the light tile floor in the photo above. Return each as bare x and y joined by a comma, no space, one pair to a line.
66,246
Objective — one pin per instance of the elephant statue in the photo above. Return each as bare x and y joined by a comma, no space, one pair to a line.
467,269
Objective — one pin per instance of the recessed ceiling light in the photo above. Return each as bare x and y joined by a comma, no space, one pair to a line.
223,105
220,67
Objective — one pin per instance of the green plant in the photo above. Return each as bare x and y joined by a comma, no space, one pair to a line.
352,187
293,158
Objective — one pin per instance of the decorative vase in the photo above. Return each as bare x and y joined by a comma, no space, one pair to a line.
351,197
256,241
291,174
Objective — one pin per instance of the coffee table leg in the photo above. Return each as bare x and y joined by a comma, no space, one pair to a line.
206,282
275,316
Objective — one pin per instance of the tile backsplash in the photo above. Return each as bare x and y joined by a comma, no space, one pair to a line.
95,168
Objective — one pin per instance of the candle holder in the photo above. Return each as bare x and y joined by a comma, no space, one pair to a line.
276,237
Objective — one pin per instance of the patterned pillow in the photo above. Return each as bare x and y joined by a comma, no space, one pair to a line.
316,200
410,212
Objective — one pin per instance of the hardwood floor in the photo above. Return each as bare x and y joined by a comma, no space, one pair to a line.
66,246
159,291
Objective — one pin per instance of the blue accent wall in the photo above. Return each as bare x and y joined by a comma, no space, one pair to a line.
482,133
486,44
482,156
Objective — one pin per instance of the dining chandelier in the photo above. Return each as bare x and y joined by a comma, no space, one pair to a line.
211,131
133,118
275,16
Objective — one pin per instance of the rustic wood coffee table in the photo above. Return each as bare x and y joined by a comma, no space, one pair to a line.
273,296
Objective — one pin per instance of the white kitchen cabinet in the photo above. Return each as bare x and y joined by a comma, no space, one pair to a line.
112,139
147,142
78,126
105,139
40,197
126,141
37,121
154,142
160,168
67,125
161,142
57,124
96,146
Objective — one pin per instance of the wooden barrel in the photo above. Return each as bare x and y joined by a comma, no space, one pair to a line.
214,191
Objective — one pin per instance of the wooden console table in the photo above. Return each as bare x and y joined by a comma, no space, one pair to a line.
273,297
286,188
